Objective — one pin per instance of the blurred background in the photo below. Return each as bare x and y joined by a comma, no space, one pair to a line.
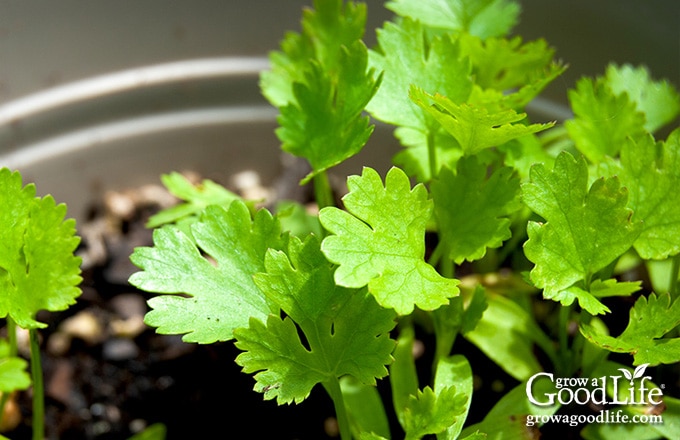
84,86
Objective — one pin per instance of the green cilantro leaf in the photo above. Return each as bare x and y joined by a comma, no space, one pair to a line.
321,84
455,371
346,332
505,64
365,408
324,124
602,119
406,57
326,29
612,287
585,229
651,173
658,100
196,199
474,127
586,299
432,413
523,152
13,374
215,298
650,319
38,269
380,242
472,211
507,334
295,218
484,18
508,417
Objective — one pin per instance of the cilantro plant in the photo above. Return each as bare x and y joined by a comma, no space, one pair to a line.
487,217
38,271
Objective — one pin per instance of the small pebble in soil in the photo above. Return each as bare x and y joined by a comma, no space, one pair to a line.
418,349
60,383
84,325
11,417
330,426
120,204
249,185
129,309
119,349
58,344
137,425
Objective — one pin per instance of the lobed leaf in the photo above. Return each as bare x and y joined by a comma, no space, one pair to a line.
509,64
474,127
588,299
380,242
428,412
454,372
346,332
602,119
659,101
484,18
651,172
324,123
650,319
328,28
207,300
13,370
472,211
38,268
196,198
405,58
585,228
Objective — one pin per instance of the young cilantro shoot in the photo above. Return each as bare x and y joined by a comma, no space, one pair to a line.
508,232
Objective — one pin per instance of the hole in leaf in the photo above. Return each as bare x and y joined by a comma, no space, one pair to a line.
303,338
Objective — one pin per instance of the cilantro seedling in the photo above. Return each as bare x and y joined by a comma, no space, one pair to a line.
504,230
38,271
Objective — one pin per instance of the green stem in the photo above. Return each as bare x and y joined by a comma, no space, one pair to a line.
445,336
564,353
432,154
333,388
38,390
580,340
12,337
578,343
437,254
447,267
13,350
322,190
673,282
519,234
